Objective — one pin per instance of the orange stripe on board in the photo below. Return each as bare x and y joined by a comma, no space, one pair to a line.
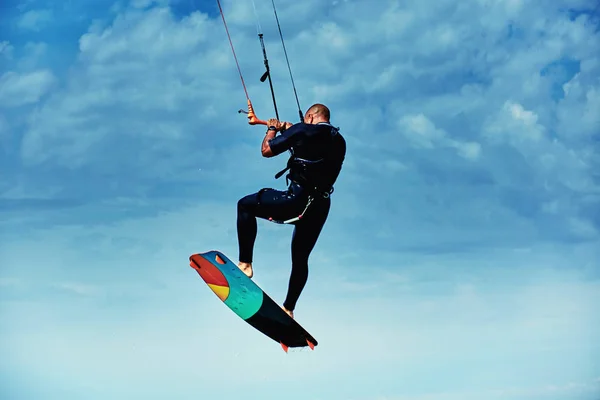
208,271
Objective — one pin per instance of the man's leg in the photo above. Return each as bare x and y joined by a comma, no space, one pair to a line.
305,237
263,204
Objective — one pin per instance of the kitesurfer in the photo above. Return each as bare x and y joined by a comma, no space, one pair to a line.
317,154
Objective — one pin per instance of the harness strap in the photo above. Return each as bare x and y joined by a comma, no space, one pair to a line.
295,219
280,173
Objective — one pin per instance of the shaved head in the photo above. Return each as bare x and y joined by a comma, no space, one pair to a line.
319,111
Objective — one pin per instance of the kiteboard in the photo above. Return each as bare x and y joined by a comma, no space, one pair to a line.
249,301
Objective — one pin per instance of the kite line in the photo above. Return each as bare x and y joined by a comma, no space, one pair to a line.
287,61
252,119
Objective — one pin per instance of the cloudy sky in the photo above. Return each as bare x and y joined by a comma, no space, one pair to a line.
461,258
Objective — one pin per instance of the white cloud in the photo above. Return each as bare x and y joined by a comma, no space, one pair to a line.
33,56
422,133
468,150
35,20
127,69
6,49
514,125
17,89
578,115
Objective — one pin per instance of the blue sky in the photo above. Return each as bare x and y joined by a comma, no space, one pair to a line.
461,258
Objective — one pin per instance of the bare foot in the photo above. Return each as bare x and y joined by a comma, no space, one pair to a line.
290,313
246,269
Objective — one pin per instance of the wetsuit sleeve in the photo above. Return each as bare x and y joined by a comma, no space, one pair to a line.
287,139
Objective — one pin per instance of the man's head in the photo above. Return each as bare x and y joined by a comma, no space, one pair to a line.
316,113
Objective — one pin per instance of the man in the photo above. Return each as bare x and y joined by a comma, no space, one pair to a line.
318,151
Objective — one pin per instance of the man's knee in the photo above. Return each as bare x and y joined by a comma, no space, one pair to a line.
242,202
247,204
250,202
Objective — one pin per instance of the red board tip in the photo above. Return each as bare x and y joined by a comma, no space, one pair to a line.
310,344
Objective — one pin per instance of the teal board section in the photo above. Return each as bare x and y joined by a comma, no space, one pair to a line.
245,297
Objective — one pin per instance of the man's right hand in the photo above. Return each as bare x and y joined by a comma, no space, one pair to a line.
275,123
280,126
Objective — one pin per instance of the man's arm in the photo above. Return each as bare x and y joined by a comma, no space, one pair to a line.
274,145
265,148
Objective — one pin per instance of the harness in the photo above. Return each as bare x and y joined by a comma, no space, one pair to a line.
296,166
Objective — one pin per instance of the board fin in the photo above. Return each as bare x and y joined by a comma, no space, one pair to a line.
310,344
284,347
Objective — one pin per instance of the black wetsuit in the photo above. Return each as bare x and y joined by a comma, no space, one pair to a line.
318,151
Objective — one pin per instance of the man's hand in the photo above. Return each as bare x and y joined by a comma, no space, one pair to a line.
276,123
280,126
